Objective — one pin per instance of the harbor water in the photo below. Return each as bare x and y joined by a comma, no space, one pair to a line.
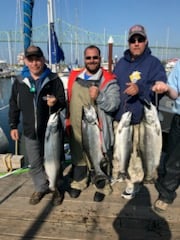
5,91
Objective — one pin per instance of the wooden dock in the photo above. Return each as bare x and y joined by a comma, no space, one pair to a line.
82,218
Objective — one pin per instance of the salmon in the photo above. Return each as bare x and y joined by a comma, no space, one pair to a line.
150,141
53,149
123,145
92,144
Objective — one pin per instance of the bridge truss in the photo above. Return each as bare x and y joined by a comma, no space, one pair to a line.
73,41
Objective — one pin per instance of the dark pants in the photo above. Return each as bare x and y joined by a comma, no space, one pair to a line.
169,182
34,150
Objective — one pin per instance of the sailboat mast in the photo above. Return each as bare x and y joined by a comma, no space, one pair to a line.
55,52
50,23
50,20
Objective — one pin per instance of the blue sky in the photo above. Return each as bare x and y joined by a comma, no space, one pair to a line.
114,17
160,17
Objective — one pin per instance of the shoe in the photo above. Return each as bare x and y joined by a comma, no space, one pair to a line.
130,193
57,198
99,197
149,181
36,197
160,206
122,176
74,193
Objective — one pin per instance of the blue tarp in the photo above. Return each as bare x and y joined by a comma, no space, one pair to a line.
27,10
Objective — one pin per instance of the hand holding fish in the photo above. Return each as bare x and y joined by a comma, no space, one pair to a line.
51,100
132,89
93,92
160,87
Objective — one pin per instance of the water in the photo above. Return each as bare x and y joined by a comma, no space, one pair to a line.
5,91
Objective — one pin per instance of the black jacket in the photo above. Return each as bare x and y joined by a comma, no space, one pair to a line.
34,109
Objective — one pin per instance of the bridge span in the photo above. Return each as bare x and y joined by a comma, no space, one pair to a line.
73,40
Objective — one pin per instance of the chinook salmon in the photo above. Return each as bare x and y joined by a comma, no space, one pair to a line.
123,145
150,141
53,149
135,167
91,139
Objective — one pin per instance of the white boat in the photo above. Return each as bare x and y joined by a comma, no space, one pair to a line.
4,144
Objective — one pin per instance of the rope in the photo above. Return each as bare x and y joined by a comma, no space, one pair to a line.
15,172
7,161
4,107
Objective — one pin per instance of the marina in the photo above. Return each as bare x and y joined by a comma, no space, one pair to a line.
80,218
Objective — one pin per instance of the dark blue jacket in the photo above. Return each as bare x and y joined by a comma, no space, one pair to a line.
144,71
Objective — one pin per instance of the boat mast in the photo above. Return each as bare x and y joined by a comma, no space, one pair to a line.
50,19
55,52
50,22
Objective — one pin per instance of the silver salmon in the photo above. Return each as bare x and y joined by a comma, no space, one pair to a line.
53,149
123,145
135,167
91,138
150,141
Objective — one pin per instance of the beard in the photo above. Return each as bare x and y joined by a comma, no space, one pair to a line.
92,67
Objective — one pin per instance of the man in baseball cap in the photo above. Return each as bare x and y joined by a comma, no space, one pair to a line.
136,72
137,30
40,92
33,51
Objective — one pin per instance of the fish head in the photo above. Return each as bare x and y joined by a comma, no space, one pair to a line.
150,113
53,119
90,113
126,119
124,122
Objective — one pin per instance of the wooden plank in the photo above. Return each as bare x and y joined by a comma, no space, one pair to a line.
63,230
70,207
48,230
72,214
81,218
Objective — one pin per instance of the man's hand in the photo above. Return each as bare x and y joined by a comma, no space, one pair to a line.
93,92
51,100
160,87
14,134
132,89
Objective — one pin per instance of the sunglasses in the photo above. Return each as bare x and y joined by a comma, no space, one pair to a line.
138,39
93,57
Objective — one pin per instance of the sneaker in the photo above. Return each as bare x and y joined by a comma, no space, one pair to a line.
36,197
160,206
74,193
57,198
130,193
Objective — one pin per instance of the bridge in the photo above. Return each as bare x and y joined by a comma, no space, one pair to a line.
73,40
